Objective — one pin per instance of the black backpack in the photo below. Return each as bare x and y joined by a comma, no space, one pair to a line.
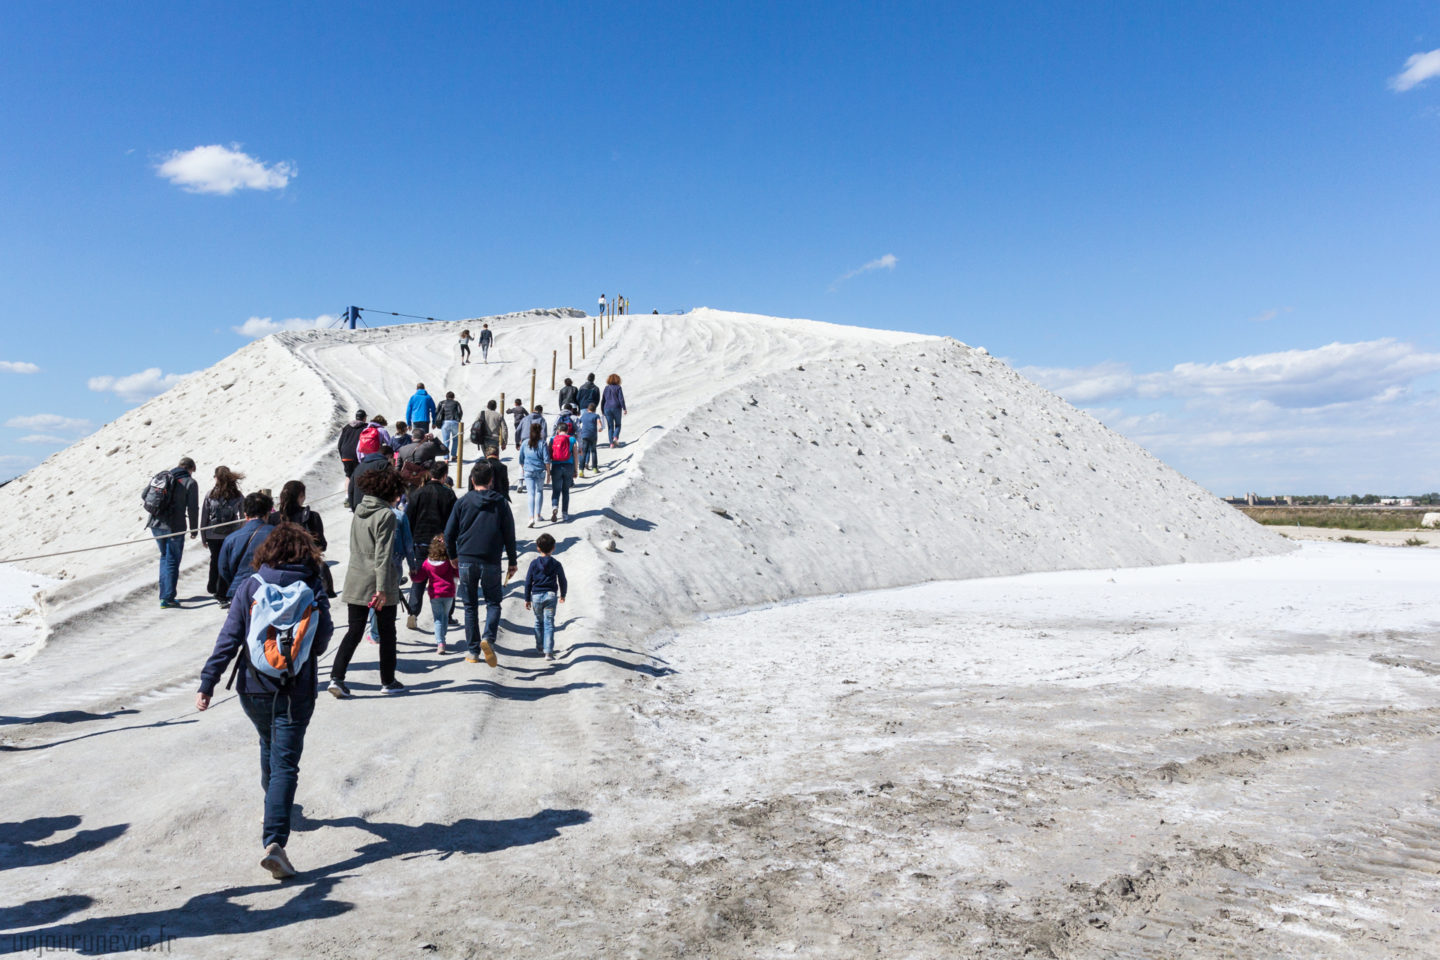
476,431
159,495
223,511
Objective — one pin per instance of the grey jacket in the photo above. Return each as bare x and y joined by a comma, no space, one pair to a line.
372,547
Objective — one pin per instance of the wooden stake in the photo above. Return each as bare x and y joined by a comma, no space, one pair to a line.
532,388
460,461
582,341
571,338
554,358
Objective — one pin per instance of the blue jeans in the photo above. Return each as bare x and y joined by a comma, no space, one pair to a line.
440,608
450,436
170,550
535,490
543,604
280,719
477,578
589,454
562,475
612,423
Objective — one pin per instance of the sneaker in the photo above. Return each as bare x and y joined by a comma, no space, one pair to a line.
394,686
554,516
277,863
550,655
373,639
440,649
488,652
471,658
169,605
532,521
565,518
410,623
338,690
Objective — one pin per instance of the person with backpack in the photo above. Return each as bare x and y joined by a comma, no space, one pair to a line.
172,498
275,633
450,414
562,471
589,440
486,338
567,393
428,511
371,580
238,551
493,431
292,509
534,456
465,339
612,404
480,528
350,441
587,394
420,411
220,516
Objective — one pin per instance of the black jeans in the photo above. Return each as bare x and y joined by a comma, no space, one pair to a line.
359,619
280,719
216,586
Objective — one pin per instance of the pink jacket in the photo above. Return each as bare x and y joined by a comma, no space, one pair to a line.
442,577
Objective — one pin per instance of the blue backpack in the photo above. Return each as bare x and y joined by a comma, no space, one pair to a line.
283,624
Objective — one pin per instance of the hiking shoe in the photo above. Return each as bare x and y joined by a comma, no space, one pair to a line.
554,516
550,656
440,649
277,863
394,686
488,652
169,605
338,690
471,658
410,623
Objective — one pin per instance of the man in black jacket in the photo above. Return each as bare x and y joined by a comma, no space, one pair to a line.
168,527
428,512
450,413
588,394
480,527
500,474
349,438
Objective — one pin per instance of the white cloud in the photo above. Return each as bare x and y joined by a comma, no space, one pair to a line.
43,438
264,326
223,170
136,386
886,262
1419,68
49,421
18,366
1082,385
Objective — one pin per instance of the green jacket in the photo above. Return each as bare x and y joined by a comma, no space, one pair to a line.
372,562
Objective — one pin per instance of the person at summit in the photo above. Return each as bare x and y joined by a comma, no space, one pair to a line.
420,411
171,498
450,414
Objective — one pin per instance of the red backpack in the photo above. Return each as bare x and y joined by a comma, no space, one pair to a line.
369,441
560,446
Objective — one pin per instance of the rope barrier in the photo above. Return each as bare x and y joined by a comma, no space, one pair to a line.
152,539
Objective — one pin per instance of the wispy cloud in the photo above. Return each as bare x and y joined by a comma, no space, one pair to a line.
136,386
886,262
52,422
222,170
1267,315
264,326
1419,68
18,366
43,438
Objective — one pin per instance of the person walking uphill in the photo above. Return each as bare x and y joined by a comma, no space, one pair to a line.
372,580
219,517
480,527
450,414
350,441
612,404
489,429
420,411
588,394
486,338
171,498
428,510
465,339
238,550
279,627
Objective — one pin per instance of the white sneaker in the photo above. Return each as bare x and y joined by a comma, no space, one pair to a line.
532,521
277,863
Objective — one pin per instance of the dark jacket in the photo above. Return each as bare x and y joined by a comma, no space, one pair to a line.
486,337
449,410
349,437
429,510
422,452
231,640
184,502
210,513
480,527
586,395
545,575
517,414
614,398
237,556
308,519
501,476
371,461
567,395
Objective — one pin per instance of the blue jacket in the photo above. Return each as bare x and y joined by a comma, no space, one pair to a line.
544,575
231,640
237,554
586,395
532,462
480,527
614,398
589,425
421,407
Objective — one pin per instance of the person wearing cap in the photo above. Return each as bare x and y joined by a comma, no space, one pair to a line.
349,440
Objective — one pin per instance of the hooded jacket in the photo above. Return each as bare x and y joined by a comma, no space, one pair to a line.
231,641
421,408
237,555
350,439
371,461
372,554
480,527
586,395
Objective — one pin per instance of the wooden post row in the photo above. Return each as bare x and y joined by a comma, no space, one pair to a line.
571,338
582,341
460,460
532,388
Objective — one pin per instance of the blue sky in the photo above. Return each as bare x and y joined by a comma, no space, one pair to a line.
1213,225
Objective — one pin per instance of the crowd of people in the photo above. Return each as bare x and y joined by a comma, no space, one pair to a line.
267,564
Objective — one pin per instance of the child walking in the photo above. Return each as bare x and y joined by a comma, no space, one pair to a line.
441,573
544,579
